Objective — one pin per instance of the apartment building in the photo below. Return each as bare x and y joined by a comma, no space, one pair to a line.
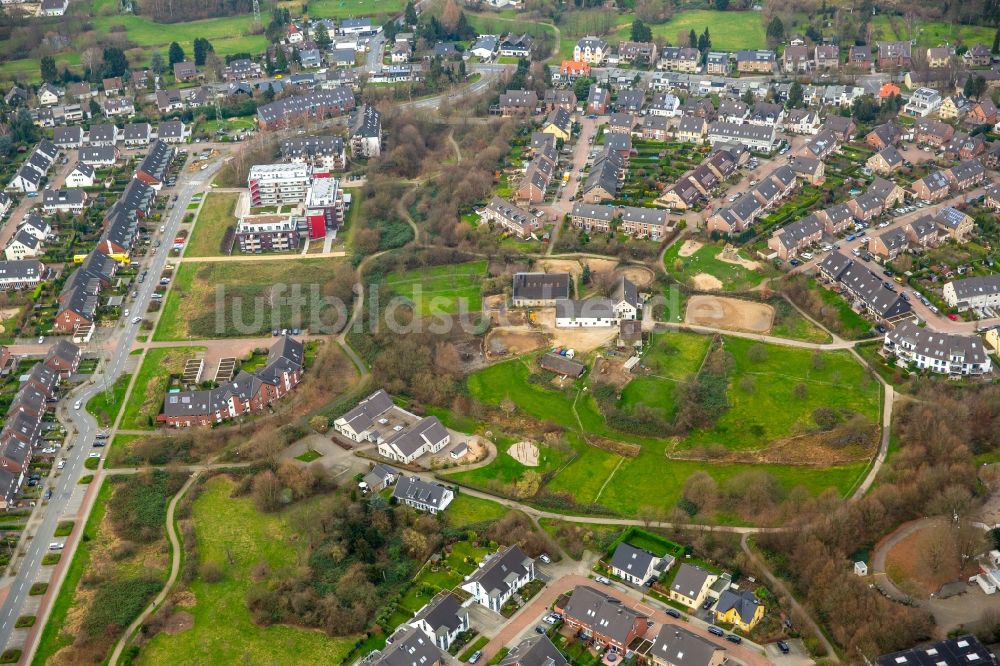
276,184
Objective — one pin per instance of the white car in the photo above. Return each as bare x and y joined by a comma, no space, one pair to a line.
136,320
78,404
95,454
162,228
62,463
48,449
807,255
55,545
125,312
41,339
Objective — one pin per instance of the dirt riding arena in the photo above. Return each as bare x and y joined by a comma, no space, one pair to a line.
575,266
730,313
525,453
689,248
637,275
580,339
706,282
513,341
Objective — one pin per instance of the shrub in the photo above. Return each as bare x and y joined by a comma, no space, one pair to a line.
117,603
25,621
38,589
211,572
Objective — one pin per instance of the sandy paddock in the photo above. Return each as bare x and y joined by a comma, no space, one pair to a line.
729,313
706,282
494,302
638,275
689,247
730,256
580,339
525,453
516,341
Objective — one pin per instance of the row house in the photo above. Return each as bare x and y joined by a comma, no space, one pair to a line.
557,98
843,128
631,101
71,201
598,101
24,274
821,146
755,137
932,132
154,167
511,218
248,392
518,102
802,121
884,135
743,212
717,63
242,69
604,179
865,288
761,61
655,128
602,618
536,179
964,147
809,169
593,218
67,138
939,184
942,353
790,240
886,161
665,104
651,223
137,135
317,105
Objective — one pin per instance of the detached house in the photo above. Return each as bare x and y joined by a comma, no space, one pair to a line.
691,585
422,495
740,609
442,619
518,102
427,435
501,575
638,566
118,106
591,50
894,54
676,646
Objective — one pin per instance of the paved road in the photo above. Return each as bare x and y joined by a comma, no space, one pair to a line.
83,428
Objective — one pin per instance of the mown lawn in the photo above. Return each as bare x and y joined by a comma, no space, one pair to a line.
437,290
510,380
232,299
236,537
150,388
933,33
468,510
215,217
228,34
504,469
730,31
354,8
732,276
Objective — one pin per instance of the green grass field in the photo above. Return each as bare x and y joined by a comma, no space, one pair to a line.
150,388
105,405
232,299
232,534
351,8
215,217
932,33
732,276
228,34
672,358
441,290
26,70
468,510
505,469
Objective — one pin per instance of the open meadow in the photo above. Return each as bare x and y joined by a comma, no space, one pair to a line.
151,384
214,218
437,290
231,534
233,299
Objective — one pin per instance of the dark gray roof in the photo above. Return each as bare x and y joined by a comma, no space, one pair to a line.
632,560
137,131
976,286
677,646
891,156
367,123
102,133
29,269
340,96
601,308
497,575
942,346
70,197
364,414
743,601
690,580
157,161
936,181
443,612
594,211
967,169
97,153
534,286
422,492
561,365
601,612
171,128
799,229
534,651
410,647
409,441
960,651
656,216
627,291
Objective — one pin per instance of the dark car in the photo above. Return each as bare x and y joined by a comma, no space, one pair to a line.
707,604
539,629
716,631
783,646
794,262
880,328
32,482
99,443
48,494
733,638
887,273
673,613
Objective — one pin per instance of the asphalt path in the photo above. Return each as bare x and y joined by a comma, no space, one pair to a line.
83,429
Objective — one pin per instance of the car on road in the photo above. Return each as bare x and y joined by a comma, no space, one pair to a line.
674,613
733,638
41,339
62,463
603,580
55,545
476,656
715,631
98,443
783,646
78,404
952,316
125,312
48,494
163,228
136,320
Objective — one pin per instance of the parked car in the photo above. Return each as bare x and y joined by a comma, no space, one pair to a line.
603,580
673,613
543,557
794,262
55,545
733,638
952,316
476,656
62,463
95,454
715,631
783,646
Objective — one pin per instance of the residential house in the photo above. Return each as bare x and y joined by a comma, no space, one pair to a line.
865,288
809,169
592,218
604,179
959,651
598,100
155,165
655,128
500,576
739,608
99,156
571,70
978,55
717,63
932,132
939,57
518,102
954,107
679,59
666,105
516,46
620,123
432,498
843,128
965,174
53,7
591,50
651,223
408,646
82,175
427,435
556,98
883,136
639,53
802,121
559,124
539,289
242,69
602,618
796,59
942,353
365,132
923,102
894,55
48,95
691,584
860,57
790,240
102,135
965,147
185,71
115,107
379,478
169,100
68,137
172,131
637,566
21,274
71,201
885,161
733,111
954,223
821,146
755,137
676,646
973,293
534,651
761,61
23,245
766,114
359,424
826,56
137,134
588,313
317,105
982,112
442,619
511,218
698,107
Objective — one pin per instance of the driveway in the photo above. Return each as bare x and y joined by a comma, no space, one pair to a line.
563,206
529,615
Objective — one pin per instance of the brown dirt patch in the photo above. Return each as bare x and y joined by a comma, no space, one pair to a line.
178,622
185,599
731,313
923,561
525,453
637,275
610,371
494,302
478,450
580,339
571,266
706,282
512,342
731,256
689,248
